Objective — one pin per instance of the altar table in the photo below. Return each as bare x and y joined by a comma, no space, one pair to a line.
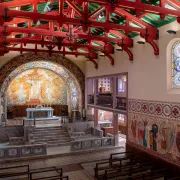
44,113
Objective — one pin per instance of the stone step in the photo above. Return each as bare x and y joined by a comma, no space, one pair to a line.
52,138
42,130
52,141
51,128
51,134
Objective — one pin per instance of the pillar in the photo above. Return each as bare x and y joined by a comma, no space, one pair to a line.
115,128
95,90
95,118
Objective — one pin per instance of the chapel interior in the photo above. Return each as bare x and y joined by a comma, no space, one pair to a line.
89,89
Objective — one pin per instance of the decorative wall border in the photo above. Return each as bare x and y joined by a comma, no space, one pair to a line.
14,63
169,110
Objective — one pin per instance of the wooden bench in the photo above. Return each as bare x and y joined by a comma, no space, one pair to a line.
123,159
102,167
129,170
28,174
153,174
174,178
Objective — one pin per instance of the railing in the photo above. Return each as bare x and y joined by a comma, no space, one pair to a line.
29,173
104,100
121,103
90,99
91,143
23,151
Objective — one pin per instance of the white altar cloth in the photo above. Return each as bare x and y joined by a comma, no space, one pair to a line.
32,113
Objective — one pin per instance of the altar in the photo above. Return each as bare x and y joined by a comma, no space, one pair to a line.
40,113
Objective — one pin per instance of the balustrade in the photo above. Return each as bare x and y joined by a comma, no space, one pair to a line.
121,103
104,100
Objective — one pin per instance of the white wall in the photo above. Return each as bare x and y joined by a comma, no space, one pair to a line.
147,74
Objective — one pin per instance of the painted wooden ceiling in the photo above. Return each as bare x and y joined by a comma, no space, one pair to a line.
82,27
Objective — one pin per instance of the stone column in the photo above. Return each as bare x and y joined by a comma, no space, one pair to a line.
95,90
95,118
114,91
115,129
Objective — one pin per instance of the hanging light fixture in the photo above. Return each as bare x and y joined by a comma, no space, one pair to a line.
171,32
140,42
119,49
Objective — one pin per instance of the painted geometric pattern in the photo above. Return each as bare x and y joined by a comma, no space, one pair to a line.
155,108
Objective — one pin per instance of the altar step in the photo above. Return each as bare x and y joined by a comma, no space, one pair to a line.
53,136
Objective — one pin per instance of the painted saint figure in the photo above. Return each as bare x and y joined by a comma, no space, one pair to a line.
133,128
21,94
145,134
154,135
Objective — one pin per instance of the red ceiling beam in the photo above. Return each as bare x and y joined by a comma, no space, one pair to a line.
44,32
25,41
74,7
142,7
37,16
90,55
19,3
151,34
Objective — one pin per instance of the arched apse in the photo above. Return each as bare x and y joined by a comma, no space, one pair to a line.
71,74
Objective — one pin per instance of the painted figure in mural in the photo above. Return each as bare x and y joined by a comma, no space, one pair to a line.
133,127
167,133
35,91
48,92
150,139
140,133
145,134
41,85
178,141
21,94
164,138
154,135
171,137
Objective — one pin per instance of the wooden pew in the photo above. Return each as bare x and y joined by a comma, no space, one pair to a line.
153,174
127,170
174,178
102,166
14,169
116,164
28,175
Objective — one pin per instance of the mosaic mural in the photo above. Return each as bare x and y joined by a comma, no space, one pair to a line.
37,85
70,73
155,127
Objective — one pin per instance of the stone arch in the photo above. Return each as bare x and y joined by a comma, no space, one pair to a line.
170,45
59,64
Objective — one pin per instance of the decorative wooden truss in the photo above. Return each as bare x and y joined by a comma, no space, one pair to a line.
80,27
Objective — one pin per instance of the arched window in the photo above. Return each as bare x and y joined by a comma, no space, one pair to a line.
176,65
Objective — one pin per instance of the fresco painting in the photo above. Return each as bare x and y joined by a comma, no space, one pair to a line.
40,85
157,134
